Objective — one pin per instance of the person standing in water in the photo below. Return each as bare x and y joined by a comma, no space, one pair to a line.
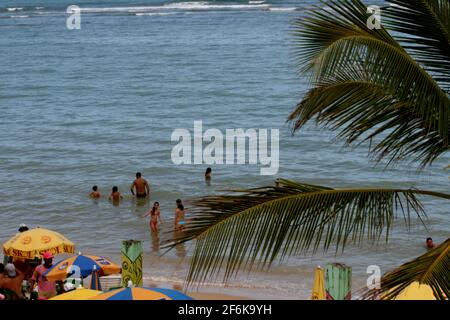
95,194
208,175
155,214
115,195
141,186
179,217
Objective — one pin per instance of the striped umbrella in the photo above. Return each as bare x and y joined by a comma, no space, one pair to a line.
77,294
83,265
95,280
139,293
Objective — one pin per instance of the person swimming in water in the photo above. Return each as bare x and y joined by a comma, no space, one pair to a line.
95,194
115,195
430,244
155,214
141,186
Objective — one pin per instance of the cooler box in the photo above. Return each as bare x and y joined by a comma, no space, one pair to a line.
111,282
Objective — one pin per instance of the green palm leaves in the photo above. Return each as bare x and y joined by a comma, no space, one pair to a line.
389,86
252,228
370,87
432,268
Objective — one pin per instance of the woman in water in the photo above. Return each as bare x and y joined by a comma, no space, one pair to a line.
155,214
179,217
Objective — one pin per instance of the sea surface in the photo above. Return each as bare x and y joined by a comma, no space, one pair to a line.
96,105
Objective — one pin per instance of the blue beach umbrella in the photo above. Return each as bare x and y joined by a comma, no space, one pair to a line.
95,280
84,263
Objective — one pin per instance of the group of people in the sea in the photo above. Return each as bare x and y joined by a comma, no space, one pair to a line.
140,189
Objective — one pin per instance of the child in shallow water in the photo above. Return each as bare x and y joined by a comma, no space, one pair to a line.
155,214
95,194
115,195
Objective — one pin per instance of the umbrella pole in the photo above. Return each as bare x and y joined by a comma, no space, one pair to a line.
131,262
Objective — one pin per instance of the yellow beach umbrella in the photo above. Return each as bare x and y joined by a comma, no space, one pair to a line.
318,292
78,294
416,291
33,243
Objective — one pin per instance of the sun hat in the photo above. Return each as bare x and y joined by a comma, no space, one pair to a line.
47,255
10,270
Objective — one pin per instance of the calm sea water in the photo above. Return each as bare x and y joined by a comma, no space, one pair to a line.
95,105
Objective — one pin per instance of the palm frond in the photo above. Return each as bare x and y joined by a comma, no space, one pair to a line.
252,228
358,106
391,93
432,268
424,30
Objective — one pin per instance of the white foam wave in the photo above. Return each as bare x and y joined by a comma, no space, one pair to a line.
39,8
283,9
208,6
117,9
256,2
19,17
179,6
155,13
14,9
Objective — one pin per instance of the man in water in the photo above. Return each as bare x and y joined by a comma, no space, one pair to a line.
141,185
430,244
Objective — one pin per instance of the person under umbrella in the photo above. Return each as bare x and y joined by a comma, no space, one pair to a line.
46,288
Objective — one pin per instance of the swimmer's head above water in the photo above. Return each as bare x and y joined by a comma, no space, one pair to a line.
430,244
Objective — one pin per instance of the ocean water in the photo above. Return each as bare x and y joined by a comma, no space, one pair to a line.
95,105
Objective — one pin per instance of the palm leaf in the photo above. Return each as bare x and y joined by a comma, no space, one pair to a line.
432,268
252,228
391,95
424,27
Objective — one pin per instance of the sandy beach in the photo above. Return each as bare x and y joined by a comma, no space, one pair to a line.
215,296
131,126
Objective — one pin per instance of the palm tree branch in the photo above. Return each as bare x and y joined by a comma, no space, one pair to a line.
380,60
233,233
361,106
424,30
431,268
